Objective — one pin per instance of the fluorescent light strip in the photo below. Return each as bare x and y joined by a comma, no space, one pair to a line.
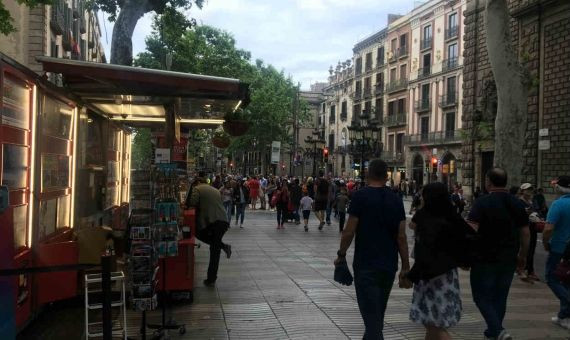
73,166
32,166
162,120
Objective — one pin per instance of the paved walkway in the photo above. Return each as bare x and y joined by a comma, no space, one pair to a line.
278,285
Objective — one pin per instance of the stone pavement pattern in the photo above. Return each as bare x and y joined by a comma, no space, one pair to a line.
278,285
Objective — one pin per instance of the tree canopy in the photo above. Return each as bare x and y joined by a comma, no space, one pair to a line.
6,20
208,50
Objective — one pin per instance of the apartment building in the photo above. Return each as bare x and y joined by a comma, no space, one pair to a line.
64,29
336,115
397,46
434,118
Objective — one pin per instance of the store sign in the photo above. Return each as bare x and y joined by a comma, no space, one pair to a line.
544,144
161,155
179,150
275,152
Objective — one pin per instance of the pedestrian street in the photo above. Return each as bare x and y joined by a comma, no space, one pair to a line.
279,284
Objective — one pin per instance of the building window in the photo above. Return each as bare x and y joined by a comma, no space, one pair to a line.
451,86
393,75
424,128
452,51
358,66
368,61
391,107
427,37
451,31
402,105
425,92
403,74
379,78
368,107
355,111
331,142
380,56
399,143
343,110
449,124
391,143
394,45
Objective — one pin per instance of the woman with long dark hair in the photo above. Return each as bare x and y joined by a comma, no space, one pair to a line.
282,202
436,301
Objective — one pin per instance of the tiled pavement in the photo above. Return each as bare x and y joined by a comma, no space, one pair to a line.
278,285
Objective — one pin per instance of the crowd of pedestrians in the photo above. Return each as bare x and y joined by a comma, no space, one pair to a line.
494,238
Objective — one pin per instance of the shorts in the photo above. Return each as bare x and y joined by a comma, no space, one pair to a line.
306,214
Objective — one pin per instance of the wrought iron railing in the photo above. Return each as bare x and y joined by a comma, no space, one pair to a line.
451,32
424,72
425,43
379,89
395,119
402,51
448,100
423,104
450,64
439,137
397,85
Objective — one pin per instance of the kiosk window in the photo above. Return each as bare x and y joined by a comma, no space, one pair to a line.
16,104
55,172
56,118
63,211
20,214
14,166
48,213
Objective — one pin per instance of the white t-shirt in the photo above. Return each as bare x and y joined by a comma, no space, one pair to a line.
306,203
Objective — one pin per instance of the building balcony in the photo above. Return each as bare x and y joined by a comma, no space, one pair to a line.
397,85
450,64
422,105
358,71
380,62
343,116
392,156
379,89
451,32
356,95
403,52
424,72
448,100
425,43
367,92
433,138
57,22
332,119
368,67
395,120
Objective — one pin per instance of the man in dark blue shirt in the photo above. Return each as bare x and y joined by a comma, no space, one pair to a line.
502,225
378,219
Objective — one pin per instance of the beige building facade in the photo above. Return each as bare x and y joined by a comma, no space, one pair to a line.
434,122
65,29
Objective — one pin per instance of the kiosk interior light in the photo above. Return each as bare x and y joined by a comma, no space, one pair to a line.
33,161
161,120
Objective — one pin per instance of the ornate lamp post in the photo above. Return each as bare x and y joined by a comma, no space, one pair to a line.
365,139
317,144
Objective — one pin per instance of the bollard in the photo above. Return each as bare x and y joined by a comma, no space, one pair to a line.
106,291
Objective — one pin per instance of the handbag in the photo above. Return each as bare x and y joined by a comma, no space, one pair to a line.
274,198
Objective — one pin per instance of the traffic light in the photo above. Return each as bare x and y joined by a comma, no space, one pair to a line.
433,164
326,155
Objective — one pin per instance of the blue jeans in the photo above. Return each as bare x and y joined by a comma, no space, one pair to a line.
372,292
240,211
228,206
560,290
490,284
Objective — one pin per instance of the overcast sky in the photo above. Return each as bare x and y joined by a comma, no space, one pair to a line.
301,37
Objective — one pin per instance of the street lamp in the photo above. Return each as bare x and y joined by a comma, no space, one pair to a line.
317,144
365,139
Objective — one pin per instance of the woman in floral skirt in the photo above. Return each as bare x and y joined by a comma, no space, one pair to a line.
436,301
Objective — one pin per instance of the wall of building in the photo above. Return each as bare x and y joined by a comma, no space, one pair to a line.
541,35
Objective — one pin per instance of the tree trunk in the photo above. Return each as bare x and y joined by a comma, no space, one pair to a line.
122,44
511,120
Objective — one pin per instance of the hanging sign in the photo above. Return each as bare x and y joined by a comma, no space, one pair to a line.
275,152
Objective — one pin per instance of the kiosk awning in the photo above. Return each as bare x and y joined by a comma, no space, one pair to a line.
137,96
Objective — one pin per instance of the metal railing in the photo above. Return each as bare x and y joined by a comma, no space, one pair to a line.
380,61
439,137
448,100
393,56
356,94
367,92
368,67
332,119
423,104
424,72
392,156
402,51
425,43
450,64
451,32
343,115
395,119
397,85
379,89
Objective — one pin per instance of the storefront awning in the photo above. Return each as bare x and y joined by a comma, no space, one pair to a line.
137,96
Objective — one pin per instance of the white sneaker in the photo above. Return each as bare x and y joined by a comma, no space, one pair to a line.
504,335
564,323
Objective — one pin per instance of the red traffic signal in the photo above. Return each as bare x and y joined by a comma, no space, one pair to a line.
434,160
326,155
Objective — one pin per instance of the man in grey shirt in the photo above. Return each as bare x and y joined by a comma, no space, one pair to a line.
211,223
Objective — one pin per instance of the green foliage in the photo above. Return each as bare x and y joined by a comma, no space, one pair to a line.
113,7
6,20
209,50
141,149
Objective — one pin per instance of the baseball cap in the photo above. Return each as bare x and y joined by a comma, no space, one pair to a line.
526,186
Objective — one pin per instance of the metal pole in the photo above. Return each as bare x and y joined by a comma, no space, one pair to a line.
106,290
